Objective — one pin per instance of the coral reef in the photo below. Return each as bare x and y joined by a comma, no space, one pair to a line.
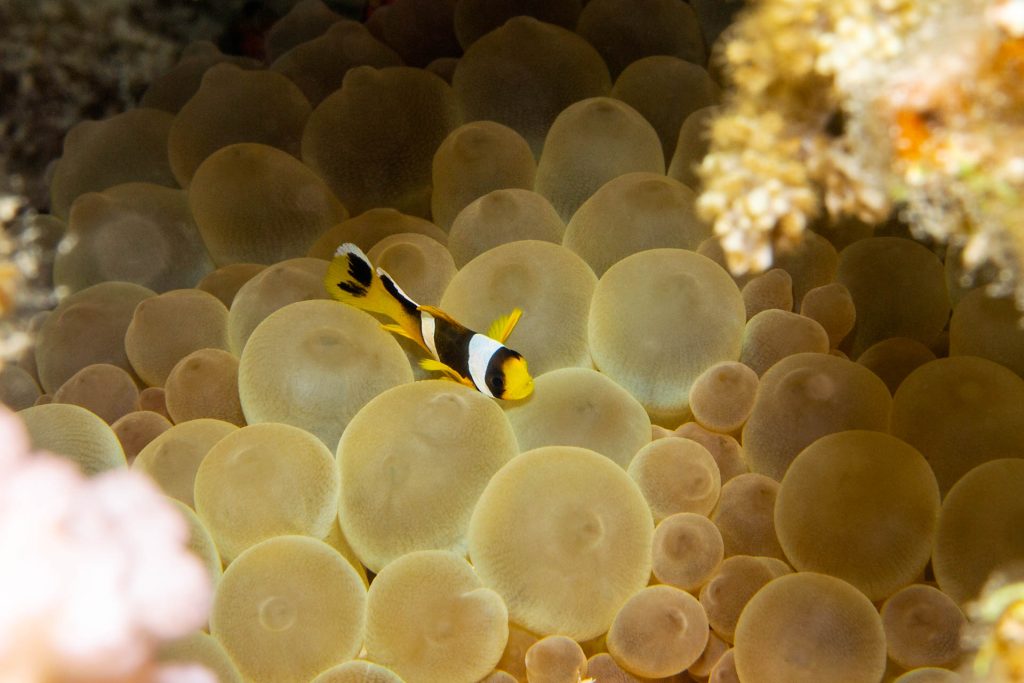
810,473
863,108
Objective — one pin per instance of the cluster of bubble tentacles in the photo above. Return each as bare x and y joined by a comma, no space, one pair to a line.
804,475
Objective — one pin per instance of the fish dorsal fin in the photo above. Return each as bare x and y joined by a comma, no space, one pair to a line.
501,328
438,313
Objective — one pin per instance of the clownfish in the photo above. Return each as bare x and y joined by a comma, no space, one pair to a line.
479,361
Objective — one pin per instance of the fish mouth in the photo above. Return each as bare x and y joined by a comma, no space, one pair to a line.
522,393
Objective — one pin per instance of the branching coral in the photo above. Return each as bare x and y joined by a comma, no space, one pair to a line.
25,261
997,630
867,107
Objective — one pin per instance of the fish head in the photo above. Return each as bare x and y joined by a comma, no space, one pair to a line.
518,383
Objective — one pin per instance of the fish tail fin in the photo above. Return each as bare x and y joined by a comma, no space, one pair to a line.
352,279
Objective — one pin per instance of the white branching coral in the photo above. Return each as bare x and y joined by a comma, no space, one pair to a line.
995,633
863,107
96,572
26,256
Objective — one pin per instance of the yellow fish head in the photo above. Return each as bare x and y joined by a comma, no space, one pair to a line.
518,383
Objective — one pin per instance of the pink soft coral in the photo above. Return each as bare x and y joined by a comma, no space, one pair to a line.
94,572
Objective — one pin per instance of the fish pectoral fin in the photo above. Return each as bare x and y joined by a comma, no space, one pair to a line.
437,313
431,365
397,329
501,328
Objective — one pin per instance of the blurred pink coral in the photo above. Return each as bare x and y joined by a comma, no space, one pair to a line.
95,571
184,673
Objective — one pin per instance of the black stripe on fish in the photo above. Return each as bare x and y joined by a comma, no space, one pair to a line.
360,269
352,288
393,290
495,374
452,344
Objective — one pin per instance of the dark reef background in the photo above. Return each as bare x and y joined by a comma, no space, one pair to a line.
65,61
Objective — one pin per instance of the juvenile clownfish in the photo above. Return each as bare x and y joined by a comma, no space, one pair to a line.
479,361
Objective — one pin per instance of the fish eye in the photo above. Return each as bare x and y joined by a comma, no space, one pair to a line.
496,383
498,370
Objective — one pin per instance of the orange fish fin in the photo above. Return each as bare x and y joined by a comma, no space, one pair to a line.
501,328
438,313
432,365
